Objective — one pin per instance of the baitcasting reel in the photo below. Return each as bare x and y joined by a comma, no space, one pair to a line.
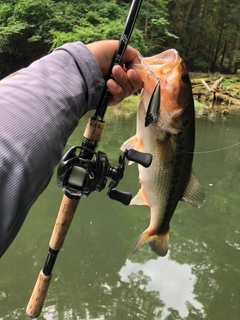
81,177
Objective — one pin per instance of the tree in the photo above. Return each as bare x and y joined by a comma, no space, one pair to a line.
206,33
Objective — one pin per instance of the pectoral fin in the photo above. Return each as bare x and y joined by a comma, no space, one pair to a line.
194,193
140,199
129,144
133,143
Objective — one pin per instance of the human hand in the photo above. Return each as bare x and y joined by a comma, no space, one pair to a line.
125,81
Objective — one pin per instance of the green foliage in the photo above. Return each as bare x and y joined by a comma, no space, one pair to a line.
87,33
32,28
24,29
206,33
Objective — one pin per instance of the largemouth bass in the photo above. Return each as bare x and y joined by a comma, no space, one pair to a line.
171,140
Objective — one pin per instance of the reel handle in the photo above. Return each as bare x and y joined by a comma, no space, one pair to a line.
121,196
145,159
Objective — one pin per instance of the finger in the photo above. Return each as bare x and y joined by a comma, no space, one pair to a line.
121,77
131,55
116,91
104,51
130,81
123,85
135,80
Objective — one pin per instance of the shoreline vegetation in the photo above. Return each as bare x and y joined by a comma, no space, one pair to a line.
205,33
216,91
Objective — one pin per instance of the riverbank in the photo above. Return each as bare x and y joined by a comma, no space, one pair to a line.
203,95
216,91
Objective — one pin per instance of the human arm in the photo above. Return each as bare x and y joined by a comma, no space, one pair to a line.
40,107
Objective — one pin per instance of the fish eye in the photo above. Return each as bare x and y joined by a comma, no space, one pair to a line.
185,77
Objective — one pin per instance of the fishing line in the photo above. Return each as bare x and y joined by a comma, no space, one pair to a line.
211,151
150,70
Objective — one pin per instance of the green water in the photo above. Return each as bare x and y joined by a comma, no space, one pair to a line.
97,277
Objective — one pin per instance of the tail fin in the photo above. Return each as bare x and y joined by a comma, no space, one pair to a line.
158,242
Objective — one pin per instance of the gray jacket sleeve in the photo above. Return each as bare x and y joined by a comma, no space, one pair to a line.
40,106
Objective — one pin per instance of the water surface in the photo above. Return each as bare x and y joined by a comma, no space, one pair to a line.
97,277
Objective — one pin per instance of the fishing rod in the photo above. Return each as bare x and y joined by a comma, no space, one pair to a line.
82,171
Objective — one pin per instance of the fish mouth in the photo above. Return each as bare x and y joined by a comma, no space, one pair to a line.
168,56
159,66
163,70
166,64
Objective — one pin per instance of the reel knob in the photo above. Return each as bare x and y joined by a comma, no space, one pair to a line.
145,159
121,196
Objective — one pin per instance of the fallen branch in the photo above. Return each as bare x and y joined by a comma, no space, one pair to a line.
213,91
216,84
206,85
228,98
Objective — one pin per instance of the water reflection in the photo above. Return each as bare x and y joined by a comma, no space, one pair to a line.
173,282
97,277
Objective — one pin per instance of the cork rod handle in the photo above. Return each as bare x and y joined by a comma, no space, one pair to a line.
38,296
64,218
